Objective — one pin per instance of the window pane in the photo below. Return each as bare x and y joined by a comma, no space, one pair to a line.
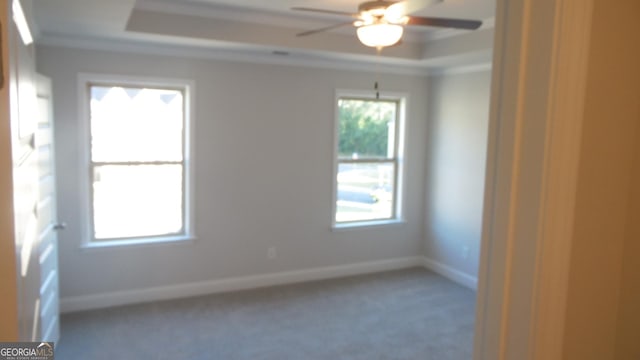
365,191
131,124
366,129
134,201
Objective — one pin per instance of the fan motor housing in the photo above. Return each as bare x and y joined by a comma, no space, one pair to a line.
374,5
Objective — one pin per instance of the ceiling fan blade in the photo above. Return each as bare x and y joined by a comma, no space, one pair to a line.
322,11
444,22
407,7
326,28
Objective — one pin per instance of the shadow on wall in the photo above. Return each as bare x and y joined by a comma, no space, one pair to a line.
458,137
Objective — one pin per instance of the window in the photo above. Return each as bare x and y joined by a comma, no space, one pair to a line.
368,166
138,162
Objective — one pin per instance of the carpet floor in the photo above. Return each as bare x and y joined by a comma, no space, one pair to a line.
405,314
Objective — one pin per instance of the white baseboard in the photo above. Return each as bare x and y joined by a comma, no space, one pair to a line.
97,301
452,274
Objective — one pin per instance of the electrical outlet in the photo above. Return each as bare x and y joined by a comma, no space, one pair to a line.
465,252
271,253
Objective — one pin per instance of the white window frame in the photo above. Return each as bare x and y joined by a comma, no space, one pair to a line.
399,182
187,87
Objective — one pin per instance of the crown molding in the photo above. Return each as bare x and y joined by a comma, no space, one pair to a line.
459,70
256,54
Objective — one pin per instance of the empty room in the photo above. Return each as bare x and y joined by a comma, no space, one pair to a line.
226,179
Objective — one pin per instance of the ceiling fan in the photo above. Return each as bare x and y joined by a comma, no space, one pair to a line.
381,23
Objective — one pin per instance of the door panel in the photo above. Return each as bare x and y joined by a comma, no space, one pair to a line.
45,214
45,158
47,219
43,137
47,184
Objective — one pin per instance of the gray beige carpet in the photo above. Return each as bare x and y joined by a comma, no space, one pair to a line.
407,314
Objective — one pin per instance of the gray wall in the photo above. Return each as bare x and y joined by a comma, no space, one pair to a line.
264,138
457,141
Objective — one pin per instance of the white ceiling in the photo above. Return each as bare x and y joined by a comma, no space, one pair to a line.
255,28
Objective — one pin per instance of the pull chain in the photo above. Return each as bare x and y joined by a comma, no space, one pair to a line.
375,85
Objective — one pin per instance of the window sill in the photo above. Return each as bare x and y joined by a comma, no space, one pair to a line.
362,225
129,243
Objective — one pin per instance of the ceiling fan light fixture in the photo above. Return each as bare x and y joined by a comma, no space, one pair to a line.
367,17
380,34
395,13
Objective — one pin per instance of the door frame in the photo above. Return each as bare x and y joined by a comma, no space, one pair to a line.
8,266
538,90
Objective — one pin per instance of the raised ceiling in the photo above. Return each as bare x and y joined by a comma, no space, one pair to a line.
260,30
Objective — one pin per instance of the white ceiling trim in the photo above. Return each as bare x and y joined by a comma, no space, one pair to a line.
460,70
258,55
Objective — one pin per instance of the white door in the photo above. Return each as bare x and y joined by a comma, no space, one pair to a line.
23,110
47,220
34,201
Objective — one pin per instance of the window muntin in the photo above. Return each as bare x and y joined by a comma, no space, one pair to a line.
367,164
137,161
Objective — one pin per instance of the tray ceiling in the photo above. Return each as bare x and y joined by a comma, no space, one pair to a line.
260,28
